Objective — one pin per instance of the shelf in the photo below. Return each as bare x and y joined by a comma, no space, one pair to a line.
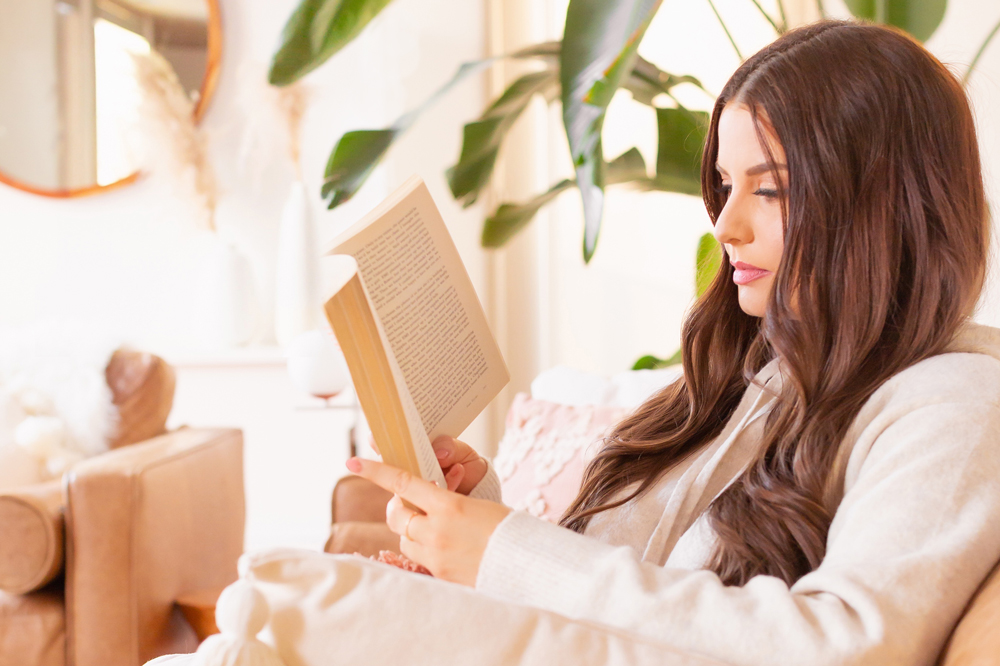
262,355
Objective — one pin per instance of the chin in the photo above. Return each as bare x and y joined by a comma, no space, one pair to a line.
753,301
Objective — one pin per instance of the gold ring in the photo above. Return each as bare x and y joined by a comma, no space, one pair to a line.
406,530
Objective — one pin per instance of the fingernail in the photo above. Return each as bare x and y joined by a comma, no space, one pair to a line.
442,453
354,465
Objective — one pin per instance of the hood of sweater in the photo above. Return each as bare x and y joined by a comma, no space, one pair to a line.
976,338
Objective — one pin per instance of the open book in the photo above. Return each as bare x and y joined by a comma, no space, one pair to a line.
412,329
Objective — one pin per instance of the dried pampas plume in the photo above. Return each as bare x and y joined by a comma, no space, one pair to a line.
171,131
273,122
292,101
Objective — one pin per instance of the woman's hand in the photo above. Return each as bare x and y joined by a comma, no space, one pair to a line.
463,468
450,537
460,463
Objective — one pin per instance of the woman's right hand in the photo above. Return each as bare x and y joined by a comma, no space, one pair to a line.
459,461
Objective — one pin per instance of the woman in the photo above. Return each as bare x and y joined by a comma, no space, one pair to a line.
823,485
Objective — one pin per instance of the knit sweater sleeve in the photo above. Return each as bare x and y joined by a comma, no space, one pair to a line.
489,487
917,531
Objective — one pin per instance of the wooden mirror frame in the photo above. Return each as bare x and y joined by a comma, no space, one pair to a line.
208,85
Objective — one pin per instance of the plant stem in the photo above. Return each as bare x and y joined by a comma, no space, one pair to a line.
881,11
728,34
784,17
979,53
767,16
822,11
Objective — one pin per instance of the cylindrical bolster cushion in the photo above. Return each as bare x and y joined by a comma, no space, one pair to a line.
31,537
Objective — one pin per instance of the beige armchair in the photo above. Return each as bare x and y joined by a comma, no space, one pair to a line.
91,566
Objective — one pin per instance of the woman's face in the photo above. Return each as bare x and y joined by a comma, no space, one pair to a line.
750,225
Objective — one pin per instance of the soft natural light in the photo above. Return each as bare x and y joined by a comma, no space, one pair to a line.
118,98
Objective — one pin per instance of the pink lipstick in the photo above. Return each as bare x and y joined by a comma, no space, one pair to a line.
747,273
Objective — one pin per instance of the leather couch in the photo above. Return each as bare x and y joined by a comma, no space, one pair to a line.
359,527
91,565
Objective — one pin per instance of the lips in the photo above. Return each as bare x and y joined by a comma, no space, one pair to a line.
746,273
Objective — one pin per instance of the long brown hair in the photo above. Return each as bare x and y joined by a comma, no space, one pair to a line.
885,247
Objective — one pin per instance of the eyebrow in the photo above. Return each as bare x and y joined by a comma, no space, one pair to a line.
758,169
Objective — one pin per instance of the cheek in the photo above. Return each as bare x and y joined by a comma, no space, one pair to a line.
771,234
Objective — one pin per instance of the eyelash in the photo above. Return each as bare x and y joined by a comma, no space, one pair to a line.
725,190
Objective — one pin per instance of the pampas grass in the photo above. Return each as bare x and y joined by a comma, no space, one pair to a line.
273,120
292,101
174,139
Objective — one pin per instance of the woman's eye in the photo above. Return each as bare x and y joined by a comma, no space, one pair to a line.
724,189
766,192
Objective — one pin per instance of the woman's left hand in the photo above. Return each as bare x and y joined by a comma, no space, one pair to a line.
450,537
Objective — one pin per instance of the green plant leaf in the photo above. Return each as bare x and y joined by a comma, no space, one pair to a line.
920,18
678,156
646,81
353,159
358,152
316,30
510,218
708,259
599,47
650,362
481,139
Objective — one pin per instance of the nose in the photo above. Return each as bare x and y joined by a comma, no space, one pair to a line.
732,226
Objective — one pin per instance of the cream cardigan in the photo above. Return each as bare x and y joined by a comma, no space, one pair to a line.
916,532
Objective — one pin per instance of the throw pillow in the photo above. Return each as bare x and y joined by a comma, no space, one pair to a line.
545,449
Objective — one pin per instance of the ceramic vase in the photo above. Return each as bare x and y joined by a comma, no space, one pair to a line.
231,312
316,365
296,307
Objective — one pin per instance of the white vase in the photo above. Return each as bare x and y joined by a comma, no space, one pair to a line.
230,296
296,289
316,365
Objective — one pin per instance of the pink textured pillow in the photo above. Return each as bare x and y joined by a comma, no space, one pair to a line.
544,450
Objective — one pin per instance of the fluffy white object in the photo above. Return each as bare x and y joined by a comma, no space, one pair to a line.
240,614
55,404
41,436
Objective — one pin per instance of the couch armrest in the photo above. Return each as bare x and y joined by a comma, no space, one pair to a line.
367,539
144,524
358,500
31,536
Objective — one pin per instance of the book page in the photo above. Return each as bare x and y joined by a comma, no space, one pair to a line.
378,381
428,308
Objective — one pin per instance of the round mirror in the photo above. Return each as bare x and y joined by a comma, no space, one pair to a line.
68,91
